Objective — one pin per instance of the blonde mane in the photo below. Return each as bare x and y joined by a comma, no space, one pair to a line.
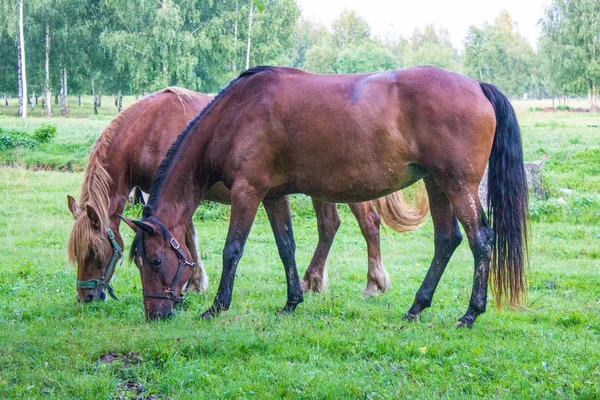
96,182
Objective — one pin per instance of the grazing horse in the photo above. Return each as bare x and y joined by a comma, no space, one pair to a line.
343,138
128,153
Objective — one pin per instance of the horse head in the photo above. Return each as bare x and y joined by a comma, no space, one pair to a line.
96,249
163,264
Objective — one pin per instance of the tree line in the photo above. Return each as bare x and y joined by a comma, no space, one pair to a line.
52,48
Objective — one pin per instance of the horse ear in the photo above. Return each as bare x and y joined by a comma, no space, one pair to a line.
93,216
135,225
73,206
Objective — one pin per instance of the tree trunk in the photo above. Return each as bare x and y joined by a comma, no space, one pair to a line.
120,101
22,78
64,108
94,97
235,38
593,98
79,100
249,34
5,99
99,100
56,99
47,81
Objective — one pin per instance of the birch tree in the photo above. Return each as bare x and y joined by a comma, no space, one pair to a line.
570,48
22,76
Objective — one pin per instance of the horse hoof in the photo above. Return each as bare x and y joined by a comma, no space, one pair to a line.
208,314
463,324
411,317
371,290
305,286
288,309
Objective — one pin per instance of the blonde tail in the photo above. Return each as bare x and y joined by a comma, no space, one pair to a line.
398,214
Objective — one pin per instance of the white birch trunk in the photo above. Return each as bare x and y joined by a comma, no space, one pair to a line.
235,38
249,34
64,108
47,82
21,65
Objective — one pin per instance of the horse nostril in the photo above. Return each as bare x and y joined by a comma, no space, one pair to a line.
89,297
103,296
170,314
156,262
156,315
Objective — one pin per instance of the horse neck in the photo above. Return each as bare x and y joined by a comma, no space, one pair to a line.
183,187
106,185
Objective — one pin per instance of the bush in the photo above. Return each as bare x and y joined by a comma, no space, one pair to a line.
12,138
563,108
44,133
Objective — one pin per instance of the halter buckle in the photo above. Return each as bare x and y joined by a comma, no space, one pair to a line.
174,243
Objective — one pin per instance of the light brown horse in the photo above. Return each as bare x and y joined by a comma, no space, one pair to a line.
343,138
128,153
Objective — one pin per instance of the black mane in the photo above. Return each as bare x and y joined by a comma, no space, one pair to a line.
163,169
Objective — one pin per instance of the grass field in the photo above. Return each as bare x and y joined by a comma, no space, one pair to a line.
337,344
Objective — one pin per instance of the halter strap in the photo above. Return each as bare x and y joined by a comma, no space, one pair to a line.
104,281
169,293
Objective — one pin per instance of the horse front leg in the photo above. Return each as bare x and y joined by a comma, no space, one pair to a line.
328,222
244,203
278,211
369,221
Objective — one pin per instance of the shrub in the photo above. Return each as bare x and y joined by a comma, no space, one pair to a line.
44,133
11,138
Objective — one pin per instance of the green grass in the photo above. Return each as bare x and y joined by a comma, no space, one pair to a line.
337,344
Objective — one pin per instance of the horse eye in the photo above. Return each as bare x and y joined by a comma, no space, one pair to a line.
156,262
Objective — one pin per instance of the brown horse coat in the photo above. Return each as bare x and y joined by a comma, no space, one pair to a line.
346,138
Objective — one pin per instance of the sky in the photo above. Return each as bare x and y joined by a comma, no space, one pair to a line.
402,16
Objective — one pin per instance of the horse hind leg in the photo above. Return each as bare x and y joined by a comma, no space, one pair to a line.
369,221
447,237
199,280
316,278
465,201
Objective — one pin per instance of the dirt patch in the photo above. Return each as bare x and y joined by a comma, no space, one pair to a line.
134,390
132,357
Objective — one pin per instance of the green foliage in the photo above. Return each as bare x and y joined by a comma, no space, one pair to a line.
45,133
569,47
366,57
498,54
10,139
350,29
551,124
321,59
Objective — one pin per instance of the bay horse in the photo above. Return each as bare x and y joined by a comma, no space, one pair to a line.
128,153
344,138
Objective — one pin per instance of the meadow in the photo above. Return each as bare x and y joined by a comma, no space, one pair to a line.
337,344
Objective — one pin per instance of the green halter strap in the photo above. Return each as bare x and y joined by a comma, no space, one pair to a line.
94,283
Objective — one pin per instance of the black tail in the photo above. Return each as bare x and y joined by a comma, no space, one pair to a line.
507,203
138,196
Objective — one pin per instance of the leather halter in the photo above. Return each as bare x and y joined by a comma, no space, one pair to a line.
104,281
169,293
